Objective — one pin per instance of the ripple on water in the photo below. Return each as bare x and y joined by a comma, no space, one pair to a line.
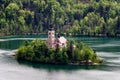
106,45
11,39
112,61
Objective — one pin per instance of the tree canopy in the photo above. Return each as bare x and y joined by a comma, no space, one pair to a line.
82,17
37,51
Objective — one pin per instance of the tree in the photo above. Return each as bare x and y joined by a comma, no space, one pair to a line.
76,17
118,25
12,10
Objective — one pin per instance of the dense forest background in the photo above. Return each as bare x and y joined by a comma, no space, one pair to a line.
76,17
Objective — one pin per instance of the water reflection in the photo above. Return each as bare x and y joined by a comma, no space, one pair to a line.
11,45
54,67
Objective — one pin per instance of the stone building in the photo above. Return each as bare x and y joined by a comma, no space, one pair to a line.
52,42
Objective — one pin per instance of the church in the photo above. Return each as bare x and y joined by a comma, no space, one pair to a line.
52,42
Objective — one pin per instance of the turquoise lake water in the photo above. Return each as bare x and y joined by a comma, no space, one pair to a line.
106,48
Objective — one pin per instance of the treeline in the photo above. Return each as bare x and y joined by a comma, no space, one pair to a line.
76,17
37,51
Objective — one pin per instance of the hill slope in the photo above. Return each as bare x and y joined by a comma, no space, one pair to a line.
83,17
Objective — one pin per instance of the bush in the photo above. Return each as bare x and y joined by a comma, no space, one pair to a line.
25,53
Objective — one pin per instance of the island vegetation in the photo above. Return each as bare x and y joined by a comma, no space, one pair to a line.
37,51
76,17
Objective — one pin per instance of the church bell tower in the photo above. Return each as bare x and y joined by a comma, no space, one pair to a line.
51,38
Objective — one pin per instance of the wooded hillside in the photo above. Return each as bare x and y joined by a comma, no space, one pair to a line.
83,17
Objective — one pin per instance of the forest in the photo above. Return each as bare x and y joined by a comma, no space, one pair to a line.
69,17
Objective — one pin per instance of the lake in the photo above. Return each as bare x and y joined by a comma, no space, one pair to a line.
106,48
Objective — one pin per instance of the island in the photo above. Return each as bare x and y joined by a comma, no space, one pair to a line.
58,51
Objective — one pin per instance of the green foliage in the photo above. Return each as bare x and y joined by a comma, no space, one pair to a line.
76,17
37,51
25,53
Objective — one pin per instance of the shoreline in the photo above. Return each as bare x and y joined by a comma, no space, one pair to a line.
83,63
71,64
37,34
